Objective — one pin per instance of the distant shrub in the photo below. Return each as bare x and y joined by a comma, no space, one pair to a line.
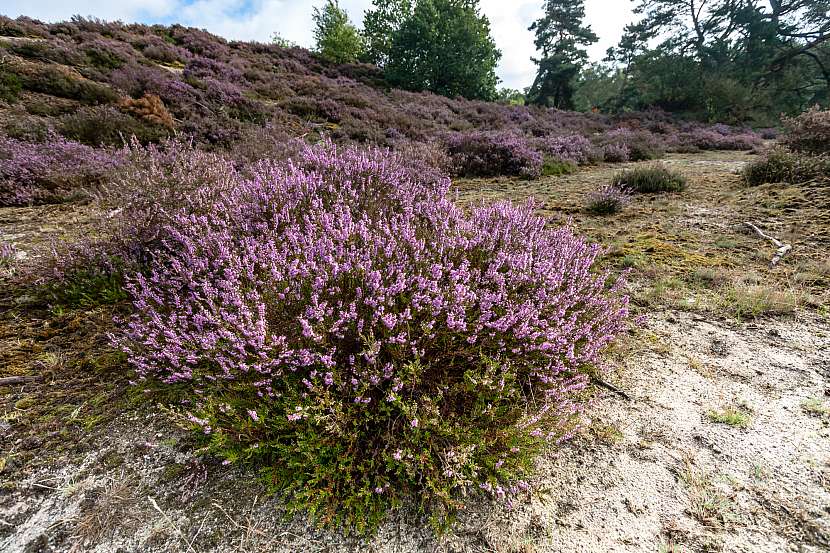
10,86
424,156
782,165
641,145
62,83
150,109
769,133
574,148
108,126
608,200
809,132
721,138
361,340
552,167
481,154
51,171
650,180
616,153
8,255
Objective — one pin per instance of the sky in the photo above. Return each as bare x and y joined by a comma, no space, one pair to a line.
260,19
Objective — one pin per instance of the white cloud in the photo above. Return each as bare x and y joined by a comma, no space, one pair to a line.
259,19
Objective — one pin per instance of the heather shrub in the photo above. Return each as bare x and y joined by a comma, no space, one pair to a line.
552,167
574,148
8,255
769,133
782,165
51,171
721,137
808,133
109,126
150,109
608,199
339,323
650,180
487,154
10,86
57,81
616,153
641,145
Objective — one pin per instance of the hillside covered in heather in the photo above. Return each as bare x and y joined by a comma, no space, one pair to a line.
89,83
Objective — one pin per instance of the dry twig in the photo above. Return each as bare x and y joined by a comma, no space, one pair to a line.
783,249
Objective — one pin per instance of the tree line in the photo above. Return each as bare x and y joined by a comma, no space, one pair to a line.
724,60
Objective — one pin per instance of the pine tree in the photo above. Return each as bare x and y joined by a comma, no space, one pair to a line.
561,37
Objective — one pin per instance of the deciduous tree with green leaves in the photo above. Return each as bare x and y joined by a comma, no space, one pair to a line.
380,23
337,39
445,46
561,37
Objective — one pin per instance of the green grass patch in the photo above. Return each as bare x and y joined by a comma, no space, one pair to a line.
731,416
650,180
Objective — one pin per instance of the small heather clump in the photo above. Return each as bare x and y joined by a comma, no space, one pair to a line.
640,145
51,171
8,255
608,200
487,154
650,180
616,153
808,133
338,322
782,165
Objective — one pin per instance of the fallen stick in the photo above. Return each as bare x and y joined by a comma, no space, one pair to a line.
783,249
12,380
610,387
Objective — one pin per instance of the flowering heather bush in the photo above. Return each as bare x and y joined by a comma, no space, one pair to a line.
481,154
710,139
808,133
573,148
51,171
616,153
641,145
650,180
608,200
340,323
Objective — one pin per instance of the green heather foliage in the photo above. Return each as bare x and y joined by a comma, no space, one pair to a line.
782,165
49,79
108,126
650,180
10,86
